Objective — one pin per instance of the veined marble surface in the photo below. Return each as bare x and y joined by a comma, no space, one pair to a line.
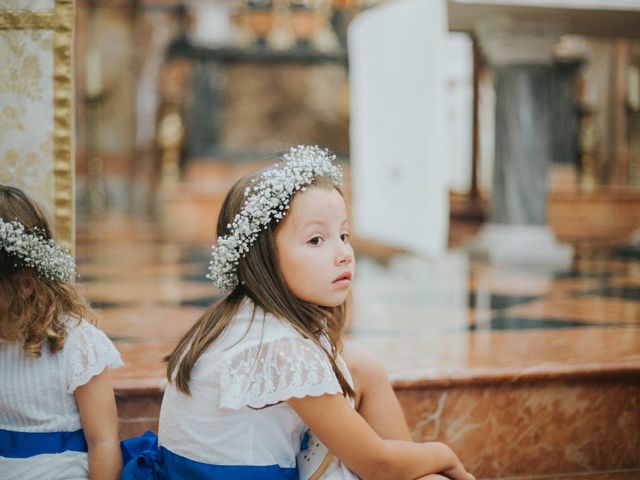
443,320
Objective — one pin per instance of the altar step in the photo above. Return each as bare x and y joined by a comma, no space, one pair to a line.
541,424
612,475
583,425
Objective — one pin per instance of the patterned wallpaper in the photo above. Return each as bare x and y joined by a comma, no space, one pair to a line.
36,119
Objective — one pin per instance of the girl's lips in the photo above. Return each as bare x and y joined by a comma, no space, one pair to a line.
345,277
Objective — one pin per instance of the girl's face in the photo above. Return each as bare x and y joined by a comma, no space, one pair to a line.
314,252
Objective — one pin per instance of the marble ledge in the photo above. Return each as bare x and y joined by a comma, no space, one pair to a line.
443,377
610,475
437,377
139,386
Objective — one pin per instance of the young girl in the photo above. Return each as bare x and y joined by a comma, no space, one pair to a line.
266,362
56,399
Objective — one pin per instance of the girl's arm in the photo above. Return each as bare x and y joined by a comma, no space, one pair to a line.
99,416
352,440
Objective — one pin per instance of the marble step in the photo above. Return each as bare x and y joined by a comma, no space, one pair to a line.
559,428
555,427
612,475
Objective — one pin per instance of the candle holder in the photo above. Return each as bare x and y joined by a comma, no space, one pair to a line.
260,20
325,38
281,36
303,22
242,34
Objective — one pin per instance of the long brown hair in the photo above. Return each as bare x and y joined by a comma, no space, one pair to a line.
35,309
261,281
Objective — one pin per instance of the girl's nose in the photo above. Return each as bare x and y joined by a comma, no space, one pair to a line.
344,255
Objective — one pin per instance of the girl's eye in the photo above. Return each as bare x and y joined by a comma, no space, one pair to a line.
344,237
315,241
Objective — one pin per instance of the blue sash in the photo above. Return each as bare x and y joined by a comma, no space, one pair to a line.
27,444
144,460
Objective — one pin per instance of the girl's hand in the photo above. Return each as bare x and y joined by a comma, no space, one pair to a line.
458,472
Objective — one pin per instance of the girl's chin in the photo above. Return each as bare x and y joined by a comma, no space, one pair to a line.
332,303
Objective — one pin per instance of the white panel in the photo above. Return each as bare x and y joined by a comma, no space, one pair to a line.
398,116
459,82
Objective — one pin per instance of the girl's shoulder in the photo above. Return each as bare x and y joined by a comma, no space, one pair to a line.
88,352
271,363
80,331
252,325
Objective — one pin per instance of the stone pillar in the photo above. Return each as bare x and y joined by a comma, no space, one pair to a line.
521,56
522,145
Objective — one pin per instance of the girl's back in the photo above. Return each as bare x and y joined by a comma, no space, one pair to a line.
37,397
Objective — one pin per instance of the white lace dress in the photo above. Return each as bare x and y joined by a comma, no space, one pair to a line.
37,396
237,413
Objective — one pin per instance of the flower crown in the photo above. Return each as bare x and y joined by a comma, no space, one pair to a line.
36,252
268,198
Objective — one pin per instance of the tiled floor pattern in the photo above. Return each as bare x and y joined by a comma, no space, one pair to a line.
460,339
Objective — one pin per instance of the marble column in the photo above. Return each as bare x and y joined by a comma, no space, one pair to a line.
522,145
521,56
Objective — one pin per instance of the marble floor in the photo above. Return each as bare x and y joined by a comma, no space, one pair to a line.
437,320
440,325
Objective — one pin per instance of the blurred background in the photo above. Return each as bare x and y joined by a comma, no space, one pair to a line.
491,151
166,88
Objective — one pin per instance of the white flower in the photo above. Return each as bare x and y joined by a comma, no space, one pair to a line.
266,199
36,252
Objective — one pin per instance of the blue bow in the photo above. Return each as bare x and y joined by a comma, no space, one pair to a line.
140,456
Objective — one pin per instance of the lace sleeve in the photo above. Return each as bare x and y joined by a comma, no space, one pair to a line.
90,352
276,371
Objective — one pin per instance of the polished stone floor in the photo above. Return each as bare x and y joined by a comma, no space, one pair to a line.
442,319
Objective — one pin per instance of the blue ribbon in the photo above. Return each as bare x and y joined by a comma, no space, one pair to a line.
27,444
140,456
144,460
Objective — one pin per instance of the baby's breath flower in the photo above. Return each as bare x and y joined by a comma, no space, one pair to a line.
268,198
35,251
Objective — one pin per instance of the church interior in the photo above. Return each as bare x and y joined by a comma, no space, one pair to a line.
498,251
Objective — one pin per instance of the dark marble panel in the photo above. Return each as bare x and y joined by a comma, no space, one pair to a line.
582,273
497,301
623,292
627,251
103,304
506,322
196,255
87,278
203,302
199,277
